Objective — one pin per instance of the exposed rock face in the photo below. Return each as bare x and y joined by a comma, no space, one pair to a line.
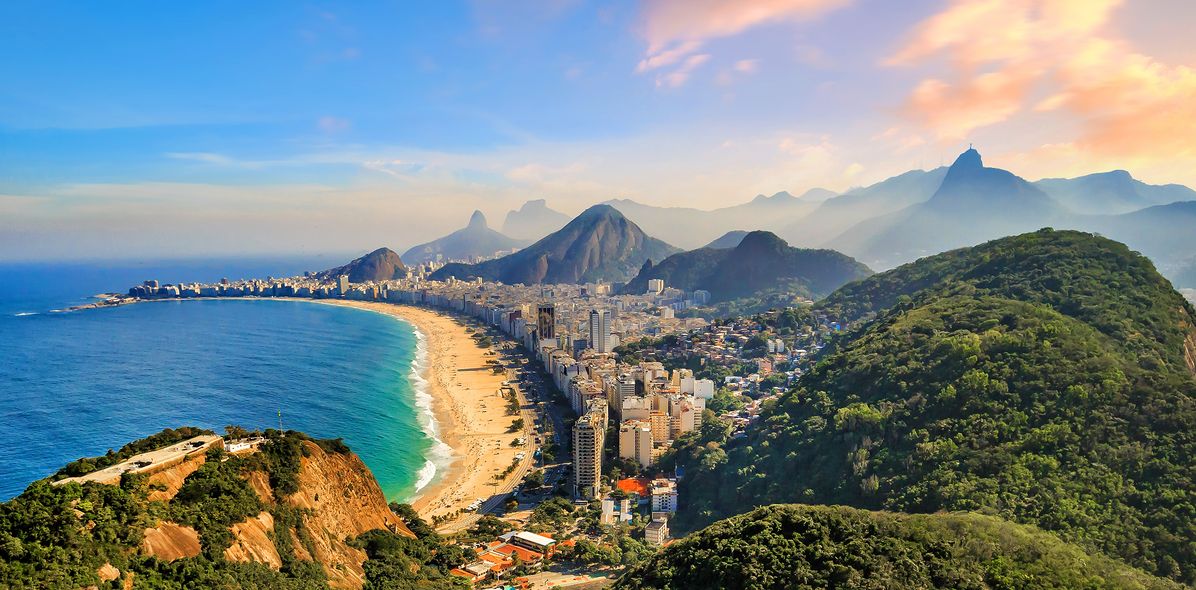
344,501
172,478
253,541
169,541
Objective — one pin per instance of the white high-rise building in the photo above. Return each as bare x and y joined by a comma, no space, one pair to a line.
656,286
600,330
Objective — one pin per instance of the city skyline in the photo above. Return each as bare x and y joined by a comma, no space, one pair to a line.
174,131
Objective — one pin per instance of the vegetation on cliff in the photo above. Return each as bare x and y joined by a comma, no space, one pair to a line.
1041,378
59,536
813,547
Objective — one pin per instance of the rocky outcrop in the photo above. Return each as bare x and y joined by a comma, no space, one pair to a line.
166,483
345,501
339,499
252,541
170,541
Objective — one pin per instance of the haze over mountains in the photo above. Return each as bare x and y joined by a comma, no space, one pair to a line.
690,228
472,241
760,261
601,244
533,221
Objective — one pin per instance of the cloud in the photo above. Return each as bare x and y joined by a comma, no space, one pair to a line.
747,66
680,75
677,29
1010,58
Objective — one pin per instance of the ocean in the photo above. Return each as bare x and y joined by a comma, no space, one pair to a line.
77,384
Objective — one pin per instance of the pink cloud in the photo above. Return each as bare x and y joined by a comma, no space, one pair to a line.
1009,57
678,29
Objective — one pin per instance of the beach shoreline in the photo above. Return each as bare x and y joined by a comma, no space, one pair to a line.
470,415
466,415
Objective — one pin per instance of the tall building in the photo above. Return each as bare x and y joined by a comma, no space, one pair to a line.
656,286
589,436
546,321
635,442
342,285
600,330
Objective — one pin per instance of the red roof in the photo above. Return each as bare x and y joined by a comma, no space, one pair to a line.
634,485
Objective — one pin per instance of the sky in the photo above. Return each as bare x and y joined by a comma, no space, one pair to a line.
163,129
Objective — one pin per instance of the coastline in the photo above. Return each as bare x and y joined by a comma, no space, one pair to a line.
468,416
461,409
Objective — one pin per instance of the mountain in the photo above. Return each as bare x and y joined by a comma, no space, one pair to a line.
727,240
292,512
761,261
1165,233
1046,378
835,215
474,240
533,221
1111,193
973,203
811,547
598,245
690,228
380,265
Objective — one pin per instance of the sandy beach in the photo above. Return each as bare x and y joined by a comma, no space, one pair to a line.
470,414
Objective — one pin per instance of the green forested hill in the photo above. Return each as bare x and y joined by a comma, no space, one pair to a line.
1041,378
808,547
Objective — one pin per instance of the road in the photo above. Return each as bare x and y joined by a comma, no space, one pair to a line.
503,489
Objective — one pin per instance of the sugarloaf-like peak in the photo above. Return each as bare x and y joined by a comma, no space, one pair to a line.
477,220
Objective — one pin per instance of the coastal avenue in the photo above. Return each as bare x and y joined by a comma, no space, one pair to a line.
502,489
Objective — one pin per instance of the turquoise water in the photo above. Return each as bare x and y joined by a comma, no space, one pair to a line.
76,384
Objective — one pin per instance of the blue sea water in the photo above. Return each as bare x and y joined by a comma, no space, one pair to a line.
76,384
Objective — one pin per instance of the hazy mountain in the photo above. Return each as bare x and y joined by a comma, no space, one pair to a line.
1028,377
380,265
533,221
475,239
601,244
837,214
1166,233
974,203
728,240
690,228
761,261
1110,193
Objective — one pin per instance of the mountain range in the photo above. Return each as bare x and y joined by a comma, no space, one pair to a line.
474,240
761,261
690,228
601,244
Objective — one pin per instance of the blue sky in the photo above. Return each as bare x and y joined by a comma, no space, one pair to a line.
265,127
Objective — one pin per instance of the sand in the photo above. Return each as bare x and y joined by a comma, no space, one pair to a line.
471,415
